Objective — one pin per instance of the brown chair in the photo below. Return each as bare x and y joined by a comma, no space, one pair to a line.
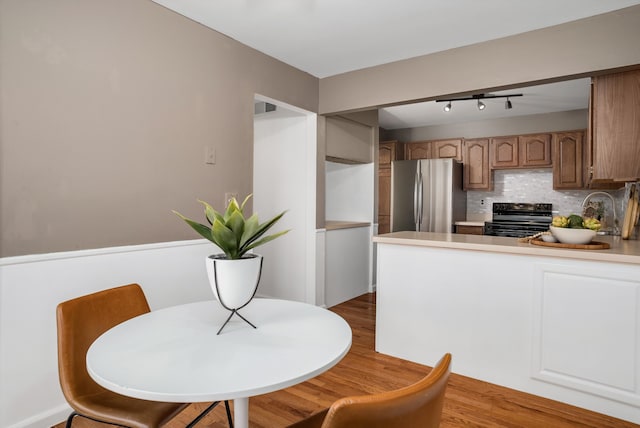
417,405
80,321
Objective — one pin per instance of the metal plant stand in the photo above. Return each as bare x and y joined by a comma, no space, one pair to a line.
234,311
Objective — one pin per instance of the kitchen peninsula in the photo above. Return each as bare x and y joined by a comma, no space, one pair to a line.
558,323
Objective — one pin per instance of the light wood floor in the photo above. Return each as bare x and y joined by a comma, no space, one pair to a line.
468,403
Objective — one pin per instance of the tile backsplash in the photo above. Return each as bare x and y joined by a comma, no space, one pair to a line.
534,185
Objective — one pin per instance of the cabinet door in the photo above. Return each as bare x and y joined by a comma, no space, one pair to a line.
419,150
504,152
470,230
534,150
384,200
477,175
447,149
389,151
384,196
386,153
567,164
384,224
572,299
616,127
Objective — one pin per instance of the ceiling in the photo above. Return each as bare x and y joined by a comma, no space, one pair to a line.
329,37
553,97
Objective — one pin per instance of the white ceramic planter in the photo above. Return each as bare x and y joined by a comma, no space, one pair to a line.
234,282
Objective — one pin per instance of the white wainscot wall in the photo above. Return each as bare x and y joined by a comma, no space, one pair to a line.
32,286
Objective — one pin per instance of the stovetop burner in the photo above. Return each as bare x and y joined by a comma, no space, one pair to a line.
519,219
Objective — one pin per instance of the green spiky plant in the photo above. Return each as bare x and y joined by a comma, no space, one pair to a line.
234,234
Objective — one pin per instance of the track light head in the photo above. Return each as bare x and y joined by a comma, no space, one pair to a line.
448,106
507,105
481,105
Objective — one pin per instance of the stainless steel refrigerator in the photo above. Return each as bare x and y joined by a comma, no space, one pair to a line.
427,195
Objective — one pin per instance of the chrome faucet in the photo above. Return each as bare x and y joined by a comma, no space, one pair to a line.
615,230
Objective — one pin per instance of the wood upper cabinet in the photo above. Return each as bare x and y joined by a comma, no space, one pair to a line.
447,149
436,149
520,151
568,170
534,150
504,152
564,151
388,151
419,150
477,174
615,135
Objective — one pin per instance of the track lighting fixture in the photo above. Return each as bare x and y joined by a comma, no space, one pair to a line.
507,104
479,98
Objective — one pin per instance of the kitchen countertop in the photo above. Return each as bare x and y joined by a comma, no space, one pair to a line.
343,224
621,251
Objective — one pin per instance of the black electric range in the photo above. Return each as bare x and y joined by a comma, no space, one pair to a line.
518,219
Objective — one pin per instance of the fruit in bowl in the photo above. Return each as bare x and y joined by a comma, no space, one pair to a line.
574,229
574,221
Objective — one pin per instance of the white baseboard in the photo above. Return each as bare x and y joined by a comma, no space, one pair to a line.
48,418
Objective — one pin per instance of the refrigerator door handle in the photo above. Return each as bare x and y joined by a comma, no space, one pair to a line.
417,198
416,220
420,201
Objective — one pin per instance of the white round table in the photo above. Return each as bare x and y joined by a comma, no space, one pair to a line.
174,354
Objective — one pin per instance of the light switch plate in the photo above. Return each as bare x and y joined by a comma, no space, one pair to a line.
228,196
210,155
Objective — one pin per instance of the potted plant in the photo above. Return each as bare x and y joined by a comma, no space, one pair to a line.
234,275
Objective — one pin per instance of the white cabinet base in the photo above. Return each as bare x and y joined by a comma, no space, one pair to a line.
347,264
558,328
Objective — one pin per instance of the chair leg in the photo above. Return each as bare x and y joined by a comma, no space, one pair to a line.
229,418
70,419
191,424
74,414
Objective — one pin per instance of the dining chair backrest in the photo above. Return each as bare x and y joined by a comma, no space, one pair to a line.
417,405
80,321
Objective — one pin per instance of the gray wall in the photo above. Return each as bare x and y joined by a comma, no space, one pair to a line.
106,110
575,49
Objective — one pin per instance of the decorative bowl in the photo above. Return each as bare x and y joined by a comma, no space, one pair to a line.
572,236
